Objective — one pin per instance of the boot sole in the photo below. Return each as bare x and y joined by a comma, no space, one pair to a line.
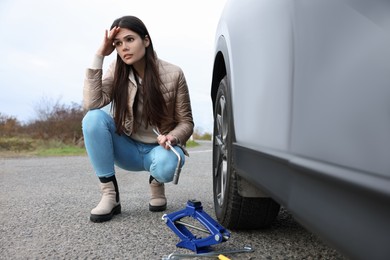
102,218
157,208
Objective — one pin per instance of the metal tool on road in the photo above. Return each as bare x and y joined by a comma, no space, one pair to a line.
178,166
216,254
216,232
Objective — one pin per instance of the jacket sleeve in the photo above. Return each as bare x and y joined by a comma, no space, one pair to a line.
97,88
183,112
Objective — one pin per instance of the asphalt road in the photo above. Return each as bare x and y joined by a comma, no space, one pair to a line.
45,205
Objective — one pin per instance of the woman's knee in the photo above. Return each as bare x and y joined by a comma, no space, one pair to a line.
163,173
165,166
93,119
92,116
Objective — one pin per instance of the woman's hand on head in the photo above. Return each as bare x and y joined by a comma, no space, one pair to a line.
107,46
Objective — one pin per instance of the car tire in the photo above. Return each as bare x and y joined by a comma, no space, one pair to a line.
232,210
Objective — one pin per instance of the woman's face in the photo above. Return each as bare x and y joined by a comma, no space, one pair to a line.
130,47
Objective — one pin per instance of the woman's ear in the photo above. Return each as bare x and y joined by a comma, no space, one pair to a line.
146,41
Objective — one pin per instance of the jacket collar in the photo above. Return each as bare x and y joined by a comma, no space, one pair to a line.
132,78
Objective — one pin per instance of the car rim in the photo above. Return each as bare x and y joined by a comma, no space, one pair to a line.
221,150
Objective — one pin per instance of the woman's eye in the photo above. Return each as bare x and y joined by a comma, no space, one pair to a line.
129,39
117,44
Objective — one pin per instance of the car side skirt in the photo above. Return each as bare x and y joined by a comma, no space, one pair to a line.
343,206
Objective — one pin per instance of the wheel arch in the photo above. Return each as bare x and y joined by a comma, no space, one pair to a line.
221,68
219,72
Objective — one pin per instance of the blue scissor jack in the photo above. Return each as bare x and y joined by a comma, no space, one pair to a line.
194,209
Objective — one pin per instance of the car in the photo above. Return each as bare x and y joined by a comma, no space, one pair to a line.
301,104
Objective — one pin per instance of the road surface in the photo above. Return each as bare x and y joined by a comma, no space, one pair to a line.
45,205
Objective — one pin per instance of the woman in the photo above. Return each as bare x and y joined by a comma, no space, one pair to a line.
146,95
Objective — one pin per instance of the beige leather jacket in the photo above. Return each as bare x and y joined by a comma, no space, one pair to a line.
97,94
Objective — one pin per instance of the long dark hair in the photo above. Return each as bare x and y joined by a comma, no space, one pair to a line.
154,106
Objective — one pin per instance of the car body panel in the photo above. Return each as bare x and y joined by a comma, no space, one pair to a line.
310,92
341,111
272,66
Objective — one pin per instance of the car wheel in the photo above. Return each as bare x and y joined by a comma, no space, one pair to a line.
232,210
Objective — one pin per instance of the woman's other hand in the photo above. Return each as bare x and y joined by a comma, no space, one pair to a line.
164,140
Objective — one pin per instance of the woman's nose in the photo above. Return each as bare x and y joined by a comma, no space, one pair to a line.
125,46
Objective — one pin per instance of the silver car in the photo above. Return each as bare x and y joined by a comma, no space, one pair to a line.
301,99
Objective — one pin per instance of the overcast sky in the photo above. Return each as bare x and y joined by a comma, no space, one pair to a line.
46,45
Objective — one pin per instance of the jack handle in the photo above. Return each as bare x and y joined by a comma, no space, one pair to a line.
178,168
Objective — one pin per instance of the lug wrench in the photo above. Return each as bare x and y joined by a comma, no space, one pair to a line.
178,168
246,249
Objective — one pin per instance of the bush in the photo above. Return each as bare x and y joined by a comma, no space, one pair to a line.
199,135
9,126
57,122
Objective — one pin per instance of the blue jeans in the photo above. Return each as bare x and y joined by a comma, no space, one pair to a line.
106,148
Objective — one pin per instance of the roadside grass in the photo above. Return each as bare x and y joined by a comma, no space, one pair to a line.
26,146
191,143
29,147
66,150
